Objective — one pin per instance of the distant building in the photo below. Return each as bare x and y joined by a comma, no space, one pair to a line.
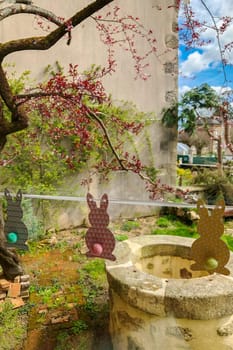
182,149
216,127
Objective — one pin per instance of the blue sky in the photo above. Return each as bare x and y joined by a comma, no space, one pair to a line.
203,65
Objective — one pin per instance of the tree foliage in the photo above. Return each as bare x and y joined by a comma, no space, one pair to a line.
192,107
52,147
76,113
198,110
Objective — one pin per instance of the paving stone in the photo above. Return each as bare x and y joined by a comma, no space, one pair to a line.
14,290
16,302
61,319
43,310
2,296
4,284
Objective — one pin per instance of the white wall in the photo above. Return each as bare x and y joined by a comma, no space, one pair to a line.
85,49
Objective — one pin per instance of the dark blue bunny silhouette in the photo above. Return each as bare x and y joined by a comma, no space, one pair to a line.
15,230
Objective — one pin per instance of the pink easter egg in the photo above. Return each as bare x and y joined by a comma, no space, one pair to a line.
97,249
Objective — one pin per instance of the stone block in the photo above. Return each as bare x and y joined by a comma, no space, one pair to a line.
170,96
175,27
25,285
17,279
226,329
24,278
171,41
2,296
4,284
14,290
170,67
24,294
61,319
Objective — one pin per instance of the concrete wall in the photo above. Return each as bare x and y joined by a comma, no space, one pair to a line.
149,96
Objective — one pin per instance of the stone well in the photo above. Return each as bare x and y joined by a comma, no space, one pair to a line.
158,302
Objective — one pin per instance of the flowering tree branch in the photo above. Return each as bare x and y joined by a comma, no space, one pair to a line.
19,120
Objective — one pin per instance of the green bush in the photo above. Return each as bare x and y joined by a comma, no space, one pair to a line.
130,225
34,225
216,186
163,222
121,237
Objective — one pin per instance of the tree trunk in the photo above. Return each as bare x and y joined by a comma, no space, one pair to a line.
219,154
9,260
10,263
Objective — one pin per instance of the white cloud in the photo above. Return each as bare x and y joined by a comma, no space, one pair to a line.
218,7
221,90
195,63
183,89
210,56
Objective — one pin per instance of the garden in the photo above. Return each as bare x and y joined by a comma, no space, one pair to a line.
68,305
155,271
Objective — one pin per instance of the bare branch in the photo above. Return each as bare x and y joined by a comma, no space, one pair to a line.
30,9
101,124
45,42
218,39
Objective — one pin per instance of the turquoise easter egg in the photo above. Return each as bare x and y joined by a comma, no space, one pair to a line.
12,237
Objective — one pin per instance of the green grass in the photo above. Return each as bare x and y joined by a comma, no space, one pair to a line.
179,231
229,241
121,237
164,221
95,268
169,225
12,328
130,225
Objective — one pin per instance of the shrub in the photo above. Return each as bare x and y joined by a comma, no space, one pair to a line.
130,225
216,186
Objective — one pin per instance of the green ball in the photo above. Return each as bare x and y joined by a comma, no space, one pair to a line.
211,264
12,237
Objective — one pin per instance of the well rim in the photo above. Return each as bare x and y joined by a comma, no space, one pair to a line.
206,297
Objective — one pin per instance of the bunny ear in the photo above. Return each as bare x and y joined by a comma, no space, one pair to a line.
19,196
202,211
7,194
220,207
90,201
104,202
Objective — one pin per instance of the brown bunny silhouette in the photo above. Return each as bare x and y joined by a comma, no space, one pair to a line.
209,252
99,239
